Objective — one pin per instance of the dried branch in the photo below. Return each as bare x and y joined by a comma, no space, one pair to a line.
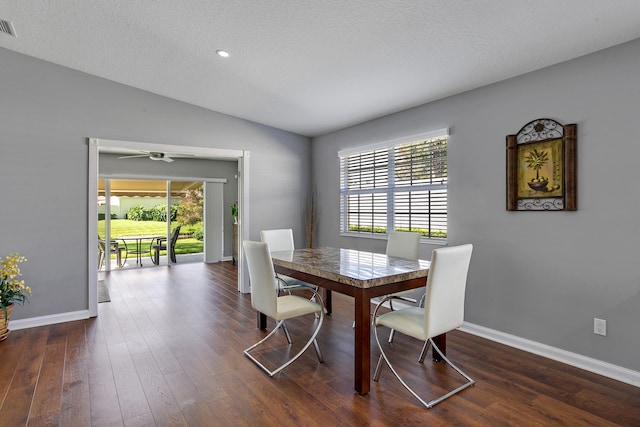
311,217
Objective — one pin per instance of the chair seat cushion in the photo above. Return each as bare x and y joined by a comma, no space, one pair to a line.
409,321
292,306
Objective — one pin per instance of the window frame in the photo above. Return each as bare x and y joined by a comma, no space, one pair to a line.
390,190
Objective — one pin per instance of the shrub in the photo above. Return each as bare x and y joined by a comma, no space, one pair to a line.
382,230
156,213
139,213
198,233
195,230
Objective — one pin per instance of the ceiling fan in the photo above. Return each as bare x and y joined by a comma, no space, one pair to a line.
157,155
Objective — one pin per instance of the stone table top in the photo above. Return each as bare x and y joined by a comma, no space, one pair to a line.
360,269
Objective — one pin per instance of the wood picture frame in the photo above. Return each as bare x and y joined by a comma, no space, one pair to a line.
541,167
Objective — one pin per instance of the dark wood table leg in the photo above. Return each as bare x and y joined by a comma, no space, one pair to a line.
262,320
441,342
326,297
362,362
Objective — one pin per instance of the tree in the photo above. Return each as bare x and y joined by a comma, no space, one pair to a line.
191,207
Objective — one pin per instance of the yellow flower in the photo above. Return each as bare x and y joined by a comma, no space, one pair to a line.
12,290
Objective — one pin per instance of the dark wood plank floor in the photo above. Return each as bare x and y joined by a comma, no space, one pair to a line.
167,350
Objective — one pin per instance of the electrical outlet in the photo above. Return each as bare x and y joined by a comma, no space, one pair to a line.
599,326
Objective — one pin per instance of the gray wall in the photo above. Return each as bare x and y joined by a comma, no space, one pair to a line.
111,165
542,276
47,112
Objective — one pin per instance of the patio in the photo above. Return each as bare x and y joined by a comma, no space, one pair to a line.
146,261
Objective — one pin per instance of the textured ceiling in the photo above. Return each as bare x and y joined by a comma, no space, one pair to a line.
313,66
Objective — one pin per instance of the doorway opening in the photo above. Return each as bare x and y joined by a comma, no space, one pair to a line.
152,222
239,157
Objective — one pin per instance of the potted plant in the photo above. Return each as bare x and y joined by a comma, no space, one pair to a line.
12,290
234,212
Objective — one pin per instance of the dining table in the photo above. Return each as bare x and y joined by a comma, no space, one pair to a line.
139,250
360,274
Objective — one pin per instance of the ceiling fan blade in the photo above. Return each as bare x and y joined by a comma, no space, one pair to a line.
179,155
135,155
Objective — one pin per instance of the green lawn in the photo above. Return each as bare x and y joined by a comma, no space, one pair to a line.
125,227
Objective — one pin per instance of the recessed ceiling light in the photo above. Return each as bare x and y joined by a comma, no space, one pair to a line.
222,53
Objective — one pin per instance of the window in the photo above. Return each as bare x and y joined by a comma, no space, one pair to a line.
397,185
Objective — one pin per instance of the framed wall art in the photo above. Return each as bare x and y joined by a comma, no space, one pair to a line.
541,167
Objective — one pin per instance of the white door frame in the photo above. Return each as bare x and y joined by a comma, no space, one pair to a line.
96,145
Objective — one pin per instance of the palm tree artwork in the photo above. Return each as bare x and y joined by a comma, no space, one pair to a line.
536,160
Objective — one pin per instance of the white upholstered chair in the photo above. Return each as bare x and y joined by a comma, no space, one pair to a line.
265,299
282,240
403,244
443,311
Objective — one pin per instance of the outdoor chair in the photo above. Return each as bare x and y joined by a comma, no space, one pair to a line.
114,248
443,311
160,244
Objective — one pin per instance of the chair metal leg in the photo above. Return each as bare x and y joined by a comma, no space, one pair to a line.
423,353
393,332
312,340
469,382
430,404
376,374
286,332
318,352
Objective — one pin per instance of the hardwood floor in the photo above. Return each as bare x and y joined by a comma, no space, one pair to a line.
167,350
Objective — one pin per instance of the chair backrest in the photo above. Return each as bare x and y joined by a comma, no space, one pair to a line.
102,245
263,294
403,244
278,240
445,291
174,236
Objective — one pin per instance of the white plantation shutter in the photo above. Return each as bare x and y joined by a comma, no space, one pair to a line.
400,186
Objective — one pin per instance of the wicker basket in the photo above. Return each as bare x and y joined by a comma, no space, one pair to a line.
4,323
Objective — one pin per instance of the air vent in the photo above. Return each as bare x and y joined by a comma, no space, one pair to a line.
7,28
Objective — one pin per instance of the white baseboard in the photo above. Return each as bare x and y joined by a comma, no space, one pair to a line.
573,359
52,319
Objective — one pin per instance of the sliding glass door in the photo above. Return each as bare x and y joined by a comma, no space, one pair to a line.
149,222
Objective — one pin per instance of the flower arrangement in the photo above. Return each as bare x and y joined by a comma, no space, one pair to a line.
12,290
